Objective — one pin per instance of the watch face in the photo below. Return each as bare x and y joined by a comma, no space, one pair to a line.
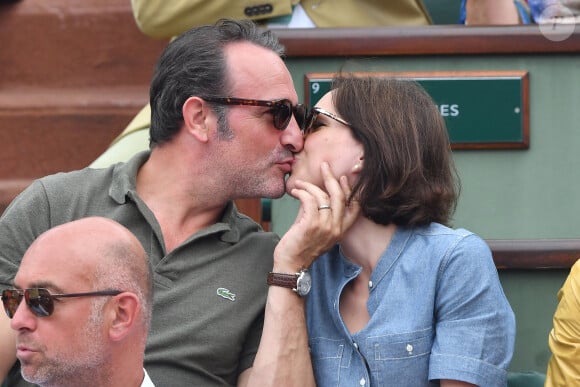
303,283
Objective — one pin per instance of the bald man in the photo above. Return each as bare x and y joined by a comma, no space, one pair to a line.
81,306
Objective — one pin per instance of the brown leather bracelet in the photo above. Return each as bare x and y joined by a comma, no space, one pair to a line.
300,282
281,279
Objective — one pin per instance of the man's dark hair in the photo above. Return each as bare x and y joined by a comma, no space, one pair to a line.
194,65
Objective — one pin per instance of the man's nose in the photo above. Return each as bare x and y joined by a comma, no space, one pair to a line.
23,318
292,137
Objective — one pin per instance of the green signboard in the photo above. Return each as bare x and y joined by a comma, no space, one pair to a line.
482,110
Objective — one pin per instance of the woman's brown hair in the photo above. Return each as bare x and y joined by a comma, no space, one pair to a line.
408,176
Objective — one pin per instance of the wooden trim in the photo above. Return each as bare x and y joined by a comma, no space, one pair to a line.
426,40
535,253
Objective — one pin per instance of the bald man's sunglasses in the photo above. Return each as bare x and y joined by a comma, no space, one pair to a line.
40,301
281,109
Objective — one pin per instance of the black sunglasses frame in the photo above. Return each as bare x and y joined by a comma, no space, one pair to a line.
282,109
41,301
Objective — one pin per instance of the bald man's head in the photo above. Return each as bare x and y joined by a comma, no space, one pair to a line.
83,336
102,251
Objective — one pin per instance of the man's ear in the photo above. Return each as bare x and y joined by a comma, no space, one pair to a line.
125,312
195,118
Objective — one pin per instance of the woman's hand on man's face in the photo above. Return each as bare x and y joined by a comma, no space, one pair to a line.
322,219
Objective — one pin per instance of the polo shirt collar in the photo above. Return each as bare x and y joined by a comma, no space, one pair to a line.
125,177
124,185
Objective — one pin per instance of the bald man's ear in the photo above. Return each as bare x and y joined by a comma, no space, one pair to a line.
125,313
195,118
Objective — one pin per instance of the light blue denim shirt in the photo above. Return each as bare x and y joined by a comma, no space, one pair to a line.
437,311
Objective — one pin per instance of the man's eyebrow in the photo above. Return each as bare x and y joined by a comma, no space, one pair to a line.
48,285
42,284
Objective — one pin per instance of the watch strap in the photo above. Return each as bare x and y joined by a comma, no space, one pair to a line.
283,280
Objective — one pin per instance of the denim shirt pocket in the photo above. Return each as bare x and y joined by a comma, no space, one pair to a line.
401,356
327,356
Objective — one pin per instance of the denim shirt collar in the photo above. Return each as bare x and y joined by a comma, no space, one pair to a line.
387,260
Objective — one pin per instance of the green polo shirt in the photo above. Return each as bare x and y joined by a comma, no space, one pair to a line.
209,293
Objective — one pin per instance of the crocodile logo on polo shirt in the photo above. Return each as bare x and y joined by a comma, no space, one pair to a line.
225,293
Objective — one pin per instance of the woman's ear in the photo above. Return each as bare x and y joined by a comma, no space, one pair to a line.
357,168
126,307
195,118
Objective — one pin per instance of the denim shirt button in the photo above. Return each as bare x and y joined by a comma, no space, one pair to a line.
355,344
362,382
410,349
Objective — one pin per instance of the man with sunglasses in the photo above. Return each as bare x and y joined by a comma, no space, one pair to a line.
222,128
167,18
81,306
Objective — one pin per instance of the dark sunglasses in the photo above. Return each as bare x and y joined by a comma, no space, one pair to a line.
40,301
281,109
311,115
